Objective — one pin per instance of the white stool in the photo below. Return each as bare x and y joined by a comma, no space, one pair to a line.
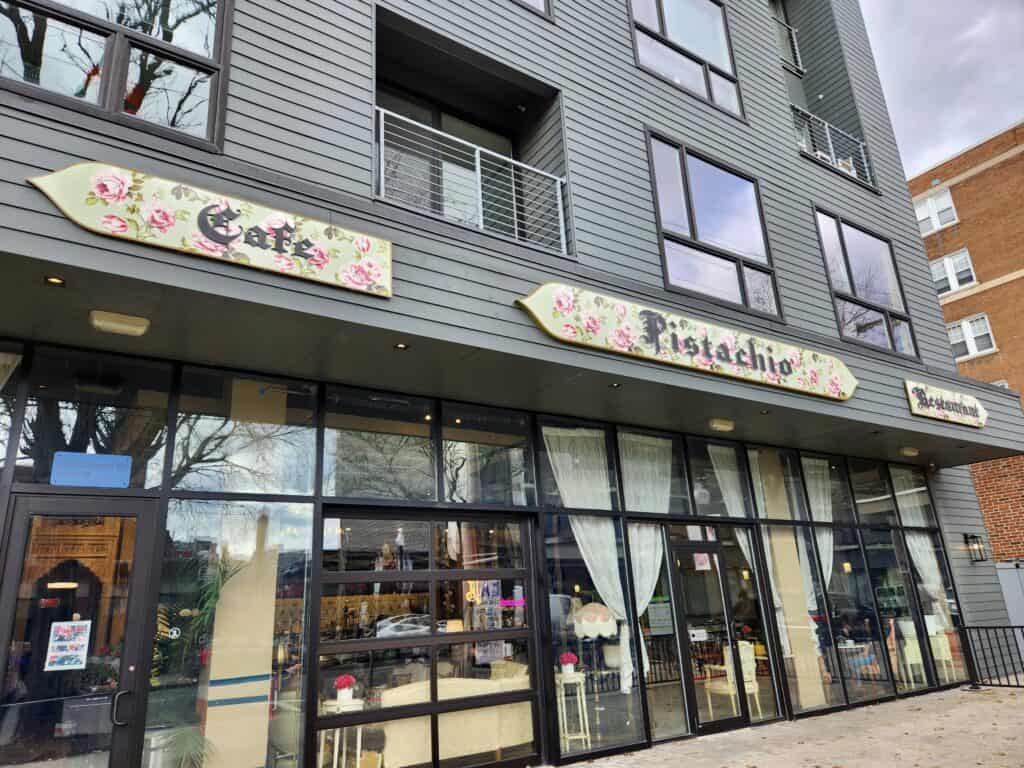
581,731
341,735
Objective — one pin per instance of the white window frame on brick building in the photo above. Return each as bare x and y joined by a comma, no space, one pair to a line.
955,272
933,212
968,332
1001,383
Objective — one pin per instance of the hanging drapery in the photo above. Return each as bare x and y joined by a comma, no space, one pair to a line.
760,499
911,497
926,562
818,478
579,462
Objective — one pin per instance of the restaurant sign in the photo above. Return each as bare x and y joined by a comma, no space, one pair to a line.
944,405
578,316
131,205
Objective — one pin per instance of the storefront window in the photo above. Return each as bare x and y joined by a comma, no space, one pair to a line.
10,361
472,545
364,544
487,456
912,497
776,478
94,421
485,735
855,629
244,435
378,446
397,742
938,605
653,473
228,669
808,655
872,492
482,668
374,678
828,490
720,487
577,474
594,654
374,609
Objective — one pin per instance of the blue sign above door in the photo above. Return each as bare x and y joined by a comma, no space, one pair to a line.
91,470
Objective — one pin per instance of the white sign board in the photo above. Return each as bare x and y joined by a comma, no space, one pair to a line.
660,617
69,646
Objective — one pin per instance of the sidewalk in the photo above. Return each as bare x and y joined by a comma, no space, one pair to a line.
953,729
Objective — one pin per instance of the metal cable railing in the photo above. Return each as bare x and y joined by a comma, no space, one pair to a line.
832,145
789,47
423,168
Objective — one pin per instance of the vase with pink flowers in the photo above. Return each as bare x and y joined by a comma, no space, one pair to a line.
344,685
568,661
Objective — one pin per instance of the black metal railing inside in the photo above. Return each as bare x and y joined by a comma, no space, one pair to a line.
996,655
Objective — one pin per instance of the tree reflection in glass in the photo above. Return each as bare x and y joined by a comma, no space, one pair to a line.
188,24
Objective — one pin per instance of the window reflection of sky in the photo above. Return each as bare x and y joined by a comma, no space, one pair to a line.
689,268
725,206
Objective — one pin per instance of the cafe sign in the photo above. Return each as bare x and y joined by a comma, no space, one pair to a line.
131,205
945,405
577,316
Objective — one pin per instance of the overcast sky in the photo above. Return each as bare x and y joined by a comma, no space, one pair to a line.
952,72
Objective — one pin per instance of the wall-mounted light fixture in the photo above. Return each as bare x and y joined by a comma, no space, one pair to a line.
976,547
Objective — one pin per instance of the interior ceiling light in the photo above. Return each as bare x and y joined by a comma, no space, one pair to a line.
62,585
722,425
402,346
55,280
909,452
122,325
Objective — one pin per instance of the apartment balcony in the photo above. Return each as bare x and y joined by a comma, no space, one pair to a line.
436,173
832,146
789,46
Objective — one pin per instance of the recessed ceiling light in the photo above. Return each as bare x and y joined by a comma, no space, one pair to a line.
428,417
616,385
910,452
55,280
402,347
722,425
458,421
62,585
122,325
765,411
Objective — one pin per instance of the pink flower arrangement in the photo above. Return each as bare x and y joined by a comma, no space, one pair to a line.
835,386
568,657
772,378
564,302
813,377
623,338
115,225
362,274
363,245
569,331
160,217
344,682
592,323
275,222
318,257
203,243
111,186
704,362
795,359
284,263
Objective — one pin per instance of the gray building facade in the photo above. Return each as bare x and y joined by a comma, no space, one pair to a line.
280,517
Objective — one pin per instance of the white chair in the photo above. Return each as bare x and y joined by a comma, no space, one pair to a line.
911,657
727,687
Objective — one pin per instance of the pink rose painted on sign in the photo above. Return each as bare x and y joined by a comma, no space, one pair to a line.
284,263
111,186
592,323
318,257
835,386
564,302
795,359
361,275
276,221
363,245
623,338
620,311
160,217
703,362
813,377
115,225
206,245
569,331
771,377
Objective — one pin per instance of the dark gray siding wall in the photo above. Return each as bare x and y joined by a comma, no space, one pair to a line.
544,147
977,583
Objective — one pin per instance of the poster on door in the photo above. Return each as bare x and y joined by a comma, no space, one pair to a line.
68,648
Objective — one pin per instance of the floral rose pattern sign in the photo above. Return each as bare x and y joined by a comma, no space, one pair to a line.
578,316
127,204
944,405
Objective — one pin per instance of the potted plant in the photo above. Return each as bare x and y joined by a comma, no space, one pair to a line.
344,684
568,661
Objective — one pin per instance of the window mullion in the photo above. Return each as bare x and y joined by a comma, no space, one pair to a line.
954,284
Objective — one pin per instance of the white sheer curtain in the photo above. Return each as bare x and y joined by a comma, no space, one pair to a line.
579,461
911,497
730,483
818,477
926,561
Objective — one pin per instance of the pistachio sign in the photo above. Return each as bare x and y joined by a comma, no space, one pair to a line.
945,405
578,316
130,205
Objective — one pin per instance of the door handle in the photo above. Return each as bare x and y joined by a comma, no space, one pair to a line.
113,709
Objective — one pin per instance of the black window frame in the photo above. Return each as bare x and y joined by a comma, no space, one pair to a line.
692,240
851,296
707,67
119,43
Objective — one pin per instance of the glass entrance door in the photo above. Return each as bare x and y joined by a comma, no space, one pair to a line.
70,638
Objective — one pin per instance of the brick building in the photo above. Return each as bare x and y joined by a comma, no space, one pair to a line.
972,219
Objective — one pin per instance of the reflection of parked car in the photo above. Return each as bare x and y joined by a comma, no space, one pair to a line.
404,625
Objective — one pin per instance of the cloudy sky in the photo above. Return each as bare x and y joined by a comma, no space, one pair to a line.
952,71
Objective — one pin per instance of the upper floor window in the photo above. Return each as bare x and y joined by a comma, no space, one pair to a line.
971,337
541,6
936,212
712,228
687,43
868,297
154,63
1003,383
951,273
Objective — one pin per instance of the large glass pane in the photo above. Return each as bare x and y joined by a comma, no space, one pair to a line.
777,489
59,57
669,63
245,435
576,472
828,490
872,492
596,685
854,624
668,176
482,669
938,605
484,736
828,228
378,446
481,605
653,474
395,743
390,677
749,627
863,324
874,274
666,704
699,26
760,291
725,93
888,566
720,486
478,545
725,206
187,24
390,609
359,544
168,93
902,337
912,497
95,421
646,12
64,663
228,662
808,655
487,456
702,272
10,361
